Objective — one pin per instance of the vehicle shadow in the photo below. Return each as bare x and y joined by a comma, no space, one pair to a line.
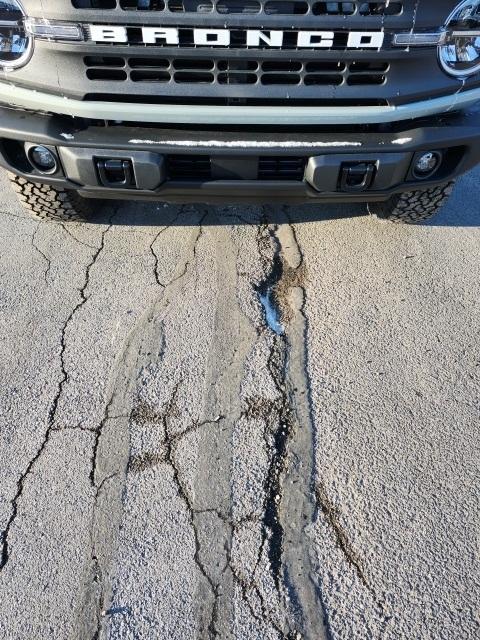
462,210
455,214
463,207
135,213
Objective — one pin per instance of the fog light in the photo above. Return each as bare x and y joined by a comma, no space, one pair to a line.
426,164
43,159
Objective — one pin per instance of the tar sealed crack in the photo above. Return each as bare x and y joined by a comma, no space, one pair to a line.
278,416
280,427
5,552
289,504
280,434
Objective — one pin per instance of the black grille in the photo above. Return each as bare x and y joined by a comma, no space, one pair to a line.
234,71
270,7
384,8
94,4
163,71
281,168
189,168
198,168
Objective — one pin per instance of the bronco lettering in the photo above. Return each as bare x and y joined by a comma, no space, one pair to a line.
244,37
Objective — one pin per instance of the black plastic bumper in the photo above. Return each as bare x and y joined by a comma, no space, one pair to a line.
238,165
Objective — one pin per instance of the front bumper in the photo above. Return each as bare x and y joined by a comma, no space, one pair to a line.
192,114
234,151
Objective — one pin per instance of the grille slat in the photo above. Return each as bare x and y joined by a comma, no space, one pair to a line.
279,72
249,7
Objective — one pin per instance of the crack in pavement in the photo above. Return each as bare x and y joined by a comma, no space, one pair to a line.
43,255
170,443
280,425
281,436
194,254
248,586
98,434
64,226
186,266
282,418
332,516
5,553
149,459
104,482
74,428
98,580
9,214
278,414
300,283
152,245
288,432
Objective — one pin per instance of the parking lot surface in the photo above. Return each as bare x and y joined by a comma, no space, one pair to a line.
240,422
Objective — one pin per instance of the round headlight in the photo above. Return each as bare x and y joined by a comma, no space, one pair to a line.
15,44
460,52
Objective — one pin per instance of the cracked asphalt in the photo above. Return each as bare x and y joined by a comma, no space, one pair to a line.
241,423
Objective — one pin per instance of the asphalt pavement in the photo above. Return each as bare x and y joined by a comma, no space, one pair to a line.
240,422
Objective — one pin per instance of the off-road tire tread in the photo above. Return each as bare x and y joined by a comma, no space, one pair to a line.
45,202
413,207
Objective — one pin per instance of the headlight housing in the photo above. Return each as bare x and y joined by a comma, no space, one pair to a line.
15,44
459,53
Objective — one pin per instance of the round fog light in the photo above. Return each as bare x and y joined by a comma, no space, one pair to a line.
43,159
426,164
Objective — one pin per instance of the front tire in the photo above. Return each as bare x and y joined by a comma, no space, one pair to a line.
45,202
413,207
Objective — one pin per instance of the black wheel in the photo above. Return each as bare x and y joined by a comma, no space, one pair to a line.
413,207
45,202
